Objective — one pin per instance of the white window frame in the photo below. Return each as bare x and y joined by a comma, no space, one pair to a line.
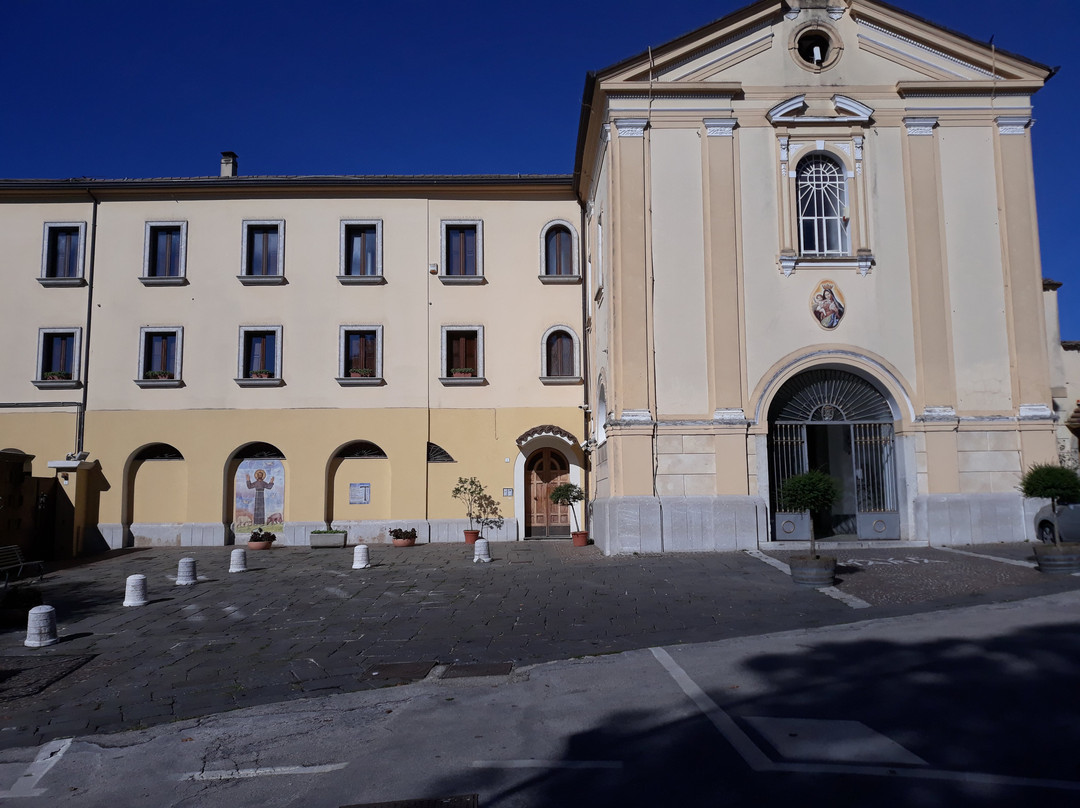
76,360
842,219
348,381
157,280
359,280
176,380
545,375
462,280
575,251
262,280
80,277
474,381
275,381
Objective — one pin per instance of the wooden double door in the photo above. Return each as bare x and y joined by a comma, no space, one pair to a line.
545,469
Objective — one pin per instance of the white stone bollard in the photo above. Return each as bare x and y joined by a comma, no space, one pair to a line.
41,627
481,552
185,574
360,557
135,595
238,560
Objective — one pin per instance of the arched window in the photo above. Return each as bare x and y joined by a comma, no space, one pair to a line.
559,363
559,251
437,454
601,415
821,185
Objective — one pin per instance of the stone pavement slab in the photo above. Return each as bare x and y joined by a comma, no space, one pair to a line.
302,622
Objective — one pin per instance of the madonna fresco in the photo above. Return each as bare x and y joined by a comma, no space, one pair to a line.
827,305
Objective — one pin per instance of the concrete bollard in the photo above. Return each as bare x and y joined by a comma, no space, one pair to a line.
481,552
360,557
185,574
41,627
135,595
238,560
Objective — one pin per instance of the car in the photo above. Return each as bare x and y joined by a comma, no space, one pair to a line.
1068,523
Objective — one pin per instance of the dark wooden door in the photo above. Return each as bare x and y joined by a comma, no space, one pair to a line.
545,469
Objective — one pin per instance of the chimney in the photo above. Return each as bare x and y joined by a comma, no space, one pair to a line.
229,165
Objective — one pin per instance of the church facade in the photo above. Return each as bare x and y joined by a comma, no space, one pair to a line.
801,237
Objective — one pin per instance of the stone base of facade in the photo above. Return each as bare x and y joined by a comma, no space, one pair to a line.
678,524
956,519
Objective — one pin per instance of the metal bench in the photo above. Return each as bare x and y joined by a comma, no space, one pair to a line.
11,559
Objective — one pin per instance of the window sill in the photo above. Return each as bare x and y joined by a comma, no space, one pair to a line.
167,280
463,381
361,280
861,262
557,380
57,384
261,280
151,383
560,280
462,280
276,382
360,381
58,282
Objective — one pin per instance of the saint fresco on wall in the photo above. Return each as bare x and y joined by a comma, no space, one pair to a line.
259,489
827,305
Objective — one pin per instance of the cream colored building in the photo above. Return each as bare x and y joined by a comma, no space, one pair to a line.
803,236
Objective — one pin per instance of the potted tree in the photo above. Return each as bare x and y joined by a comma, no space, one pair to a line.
568,494
1062,487
480,507
811,491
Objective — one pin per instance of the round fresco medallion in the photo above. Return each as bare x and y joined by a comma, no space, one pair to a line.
827,305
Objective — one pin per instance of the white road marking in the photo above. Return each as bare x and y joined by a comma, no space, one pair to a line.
49,756
831,591
547,764
1013,561
772,562
844,597
264,771
759,762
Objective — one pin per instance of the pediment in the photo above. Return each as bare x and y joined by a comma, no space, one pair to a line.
838,109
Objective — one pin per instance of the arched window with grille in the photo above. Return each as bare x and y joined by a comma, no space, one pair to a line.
821,186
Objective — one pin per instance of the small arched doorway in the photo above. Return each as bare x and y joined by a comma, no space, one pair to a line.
544,469
834,421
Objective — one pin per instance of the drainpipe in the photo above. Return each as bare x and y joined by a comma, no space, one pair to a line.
80,424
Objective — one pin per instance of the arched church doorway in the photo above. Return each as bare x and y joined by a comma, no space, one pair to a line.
837,422
545,469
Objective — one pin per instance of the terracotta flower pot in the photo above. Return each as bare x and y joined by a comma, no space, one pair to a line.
403,542
581,538
260,545
471,536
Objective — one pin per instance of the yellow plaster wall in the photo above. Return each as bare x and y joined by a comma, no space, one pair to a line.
160,491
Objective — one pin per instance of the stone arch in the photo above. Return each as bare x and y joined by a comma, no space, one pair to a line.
557,439
238,513
153,502
357,483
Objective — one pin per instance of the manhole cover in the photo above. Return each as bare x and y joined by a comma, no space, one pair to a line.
28,676
460,801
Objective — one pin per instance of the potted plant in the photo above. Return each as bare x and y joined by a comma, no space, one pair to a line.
361,373
568,494
56,375
462,373
157,374
260,539
480,507
1062,487
402,537
811,491
328,537
261,374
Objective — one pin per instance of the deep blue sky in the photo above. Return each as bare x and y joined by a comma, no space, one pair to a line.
118,88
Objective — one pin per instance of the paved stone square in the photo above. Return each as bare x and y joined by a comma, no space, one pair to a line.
302,622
